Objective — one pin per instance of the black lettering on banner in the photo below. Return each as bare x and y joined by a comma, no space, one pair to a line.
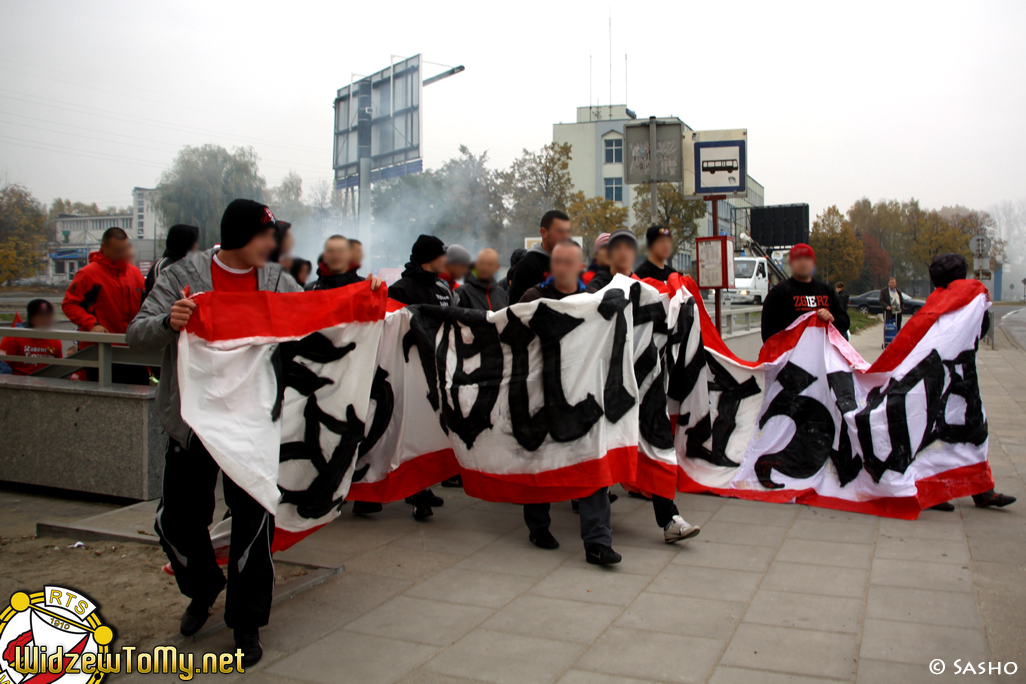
683,379
930,372
965,384
807,451
384,404
847,464
487,377
654,421
565,423
732,393
318,499
616,399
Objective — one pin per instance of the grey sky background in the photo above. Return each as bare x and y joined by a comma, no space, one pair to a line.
841,100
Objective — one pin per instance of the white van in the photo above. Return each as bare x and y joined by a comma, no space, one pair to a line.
751,280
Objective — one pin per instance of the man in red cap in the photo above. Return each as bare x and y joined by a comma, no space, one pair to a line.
799,294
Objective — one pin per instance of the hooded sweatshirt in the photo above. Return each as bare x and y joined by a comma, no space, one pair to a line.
180,241
530,271
331,280
484,295
104,293
417,286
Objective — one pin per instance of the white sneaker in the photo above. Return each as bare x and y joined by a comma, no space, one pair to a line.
679,530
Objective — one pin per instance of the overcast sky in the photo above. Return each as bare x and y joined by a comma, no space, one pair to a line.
841,100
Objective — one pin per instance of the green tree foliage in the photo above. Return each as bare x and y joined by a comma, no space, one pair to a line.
839,252
535,183
675,211
22,233
202,181
591,216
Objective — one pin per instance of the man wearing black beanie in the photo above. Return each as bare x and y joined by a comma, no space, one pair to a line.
190,472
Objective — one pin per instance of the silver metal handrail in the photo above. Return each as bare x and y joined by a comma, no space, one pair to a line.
105,349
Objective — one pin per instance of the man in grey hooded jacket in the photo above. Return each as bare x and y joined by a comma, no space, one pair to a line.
190,473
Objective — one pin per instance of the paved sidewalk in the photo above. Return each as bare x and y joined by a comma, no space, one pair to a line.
767,594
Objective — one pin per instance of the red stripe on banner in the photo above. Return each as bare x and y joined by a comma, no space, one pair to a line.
951,484
786,340
711,339
958,294
655,477
409,478
285,539
283,315
618,465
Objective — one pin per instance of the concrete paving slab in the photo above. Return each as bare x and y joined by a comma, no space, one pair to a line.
637,653
552,618
504,658
823,580
699,582
472,587
915,644
356,657
709,554
794,651
682,615
412,619
591,584
821,613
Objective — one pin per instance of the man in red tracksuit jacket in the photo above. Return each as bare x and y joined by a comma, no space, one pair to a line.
106,295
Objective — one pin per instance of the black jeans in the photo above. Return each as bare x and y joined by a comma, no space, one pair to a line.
664,509
596,527
183,518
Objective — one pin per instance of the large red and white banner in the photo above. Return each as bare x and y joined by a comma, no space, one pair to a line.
309,399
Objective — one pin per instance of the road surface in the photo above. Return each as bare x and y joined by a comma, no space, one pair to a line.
1013,321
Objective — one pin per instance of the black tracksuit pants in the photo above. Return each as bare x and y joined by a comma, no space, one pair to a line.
183,518
596,527
664,509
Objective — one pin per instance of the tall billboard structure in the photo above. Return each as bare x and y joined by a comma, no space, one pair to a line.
378,130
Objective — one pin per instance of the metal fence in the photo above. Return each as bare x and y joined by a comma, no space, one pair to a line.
105,349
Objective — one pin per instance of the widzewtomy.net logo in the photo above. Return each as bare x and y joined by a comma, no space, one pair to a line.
58,635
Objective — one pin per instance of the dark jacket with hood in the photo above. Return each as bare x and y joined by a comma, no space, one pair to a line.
180,241
484,295
417,286
530,271
548,290
333,280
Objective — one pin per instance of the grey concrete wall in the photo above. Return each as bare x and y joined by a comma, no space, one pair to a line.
75,435
746,345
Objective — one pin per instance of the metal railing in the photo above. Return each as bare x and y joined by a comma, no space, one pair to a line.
105,349
740,319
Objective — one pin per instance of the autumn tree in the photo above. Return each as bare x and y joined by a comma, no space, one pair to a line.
839,252
592,216
675,211
23,233
202,181
535,183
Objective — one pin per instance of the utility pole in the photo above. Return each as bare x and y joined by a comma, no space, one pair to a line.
653,175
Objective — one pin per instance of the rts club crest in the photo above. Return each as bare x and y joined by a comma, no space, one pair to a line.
52,635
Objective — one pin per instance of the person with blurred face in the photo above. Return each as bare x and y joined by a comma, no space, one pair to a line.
336,261
564,280
300,270
533,268
190,472
181,239
623,252
600,260
892,301
457,265
282,254
660,248
355,255
480,291
39,316
800,294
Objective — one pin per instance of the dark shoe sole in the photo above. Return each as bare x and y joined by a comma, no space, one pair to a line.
540,546
420,514
599,561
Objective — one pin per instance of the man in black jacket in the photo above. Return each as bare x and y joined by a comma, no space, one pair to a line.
799,294
336,263
480,291
534,267
596,529
514,259
420,283
660,247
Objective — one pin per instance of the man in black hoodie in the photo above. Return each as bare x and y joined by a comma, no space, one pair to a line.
534,267
514,259
799,294
420,283
480,291
336,264
660,247
181,239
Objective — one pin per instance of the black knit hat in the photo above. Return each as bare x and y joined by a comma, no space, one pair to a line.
946,268
516,256
656,232
622,235
37,306
427,248
242,220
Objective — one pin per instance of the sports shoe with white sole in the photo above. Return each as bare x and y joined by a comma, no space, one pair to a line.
679,530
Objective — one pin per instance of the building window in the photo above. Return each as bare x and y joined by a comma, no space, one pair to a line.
58,267
139,224
614,151
614,189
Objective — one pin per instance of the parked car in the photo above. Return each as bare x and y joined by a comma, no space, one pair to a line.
869,303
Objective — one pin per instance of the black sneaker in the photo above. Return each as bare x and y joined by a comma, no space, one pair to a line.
638,495
946,506
992,498
575,505
422,512
248,641
425,498
543,539
366,507
612,497
597,554
195,616
453,482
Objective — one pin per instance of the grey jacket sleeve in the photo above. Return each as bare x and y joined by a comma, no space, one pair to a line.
149,330
288,284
